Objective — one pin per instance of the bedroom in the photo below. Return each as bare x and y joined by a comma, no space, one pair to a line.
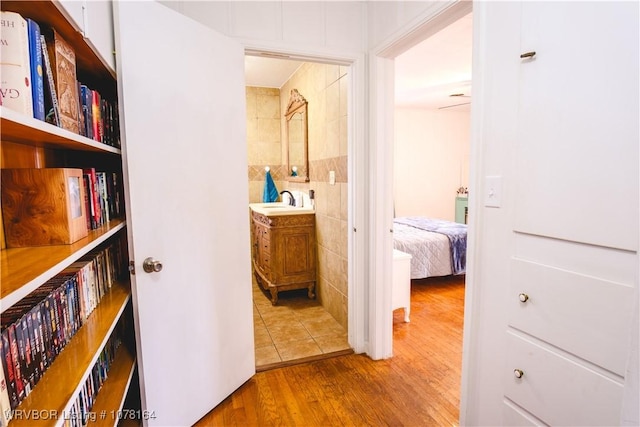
431,151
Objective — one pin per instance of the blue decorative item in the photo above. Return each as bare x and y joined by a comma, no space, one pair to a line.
294,171
270,193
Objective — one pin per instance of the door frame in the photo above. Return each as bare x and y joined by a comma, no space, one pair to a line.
357,332
431,20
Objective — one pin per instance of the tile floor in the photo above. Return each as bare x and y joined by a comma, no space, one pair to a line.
296,328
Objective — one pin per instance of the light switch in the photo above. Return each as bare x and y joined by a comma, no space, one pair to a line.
492,191
332,177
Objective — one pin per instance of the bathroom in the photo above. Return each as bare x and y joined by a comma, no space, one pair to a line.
325,88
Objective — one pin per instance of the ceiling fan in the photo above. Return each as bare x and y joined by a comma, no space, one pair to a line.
456,95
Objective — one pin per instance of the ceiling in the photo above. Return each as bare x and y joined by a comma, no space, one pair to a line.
426,75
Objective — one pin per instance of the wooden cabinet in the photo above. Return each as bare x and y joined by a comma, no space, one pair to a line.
284,252
29,143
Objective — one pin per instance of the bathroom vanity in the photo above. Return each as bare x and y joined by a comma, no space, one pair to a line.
284,248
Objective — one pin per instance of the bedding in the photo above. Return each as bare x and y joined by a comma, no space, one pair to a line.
437,247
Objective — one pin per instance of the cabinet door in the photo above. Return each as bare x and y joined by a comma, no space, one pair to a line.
99,29
181,92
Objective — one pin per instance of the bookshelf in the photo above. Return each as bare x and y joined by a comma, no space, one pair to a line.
26,142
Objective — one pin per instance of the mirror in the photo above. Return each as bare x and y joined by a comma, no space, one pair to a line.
296,138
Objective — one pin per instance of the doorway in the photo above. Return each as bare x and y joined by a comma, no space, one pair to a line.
432,123
298,329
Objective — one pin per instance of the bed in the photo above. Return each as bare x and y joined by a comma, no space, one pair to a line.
437,247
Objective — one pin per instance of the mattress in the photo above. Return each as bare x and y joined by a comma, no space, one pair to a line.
430,252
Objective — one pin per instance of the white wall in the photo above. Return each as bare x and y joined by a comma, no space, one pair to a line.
431,161
331,27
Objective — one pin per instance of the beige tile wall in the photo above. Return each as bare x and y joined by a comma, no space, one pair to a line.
325,89
264,141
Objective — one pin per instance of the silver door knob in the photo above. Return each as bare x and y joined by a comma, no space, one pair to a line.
523,297
518,373
151,265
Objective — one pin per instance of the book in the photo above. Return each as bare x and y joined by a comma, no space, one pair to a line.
8,368
37,76
5,404
63,66
94,201
15,64
97,116
86,100
52,114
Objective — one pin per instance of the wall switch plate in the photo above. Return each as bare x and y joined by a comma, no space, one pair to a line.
332,177
493,191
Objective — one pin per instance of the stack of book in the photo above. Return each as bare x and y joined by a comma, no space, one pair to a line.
80,412
38,327
103,201
38,79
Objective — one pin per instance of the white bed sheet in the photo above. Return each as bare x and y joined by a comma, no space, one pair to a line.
430,252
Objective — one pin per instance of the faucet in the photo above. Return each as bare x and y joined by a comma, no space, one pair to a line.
292,201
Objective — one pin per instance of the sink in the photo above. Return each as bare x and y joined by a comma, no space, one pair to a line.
279,208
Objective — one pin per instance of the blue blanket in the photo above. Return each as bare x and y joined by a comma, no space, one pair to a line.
457,234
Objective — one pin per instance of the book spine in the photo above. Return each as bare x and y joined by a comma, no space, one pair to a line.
5,404
37,77
97,117
15,67
51,84
86,98
94,199
9,373
15,358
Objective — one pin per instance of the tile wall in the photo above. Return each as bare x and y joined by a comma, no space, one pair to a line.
325,88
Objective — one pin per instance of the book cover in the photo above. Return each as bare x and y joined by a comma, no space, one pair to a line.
37,75
15,64
63,66
52,110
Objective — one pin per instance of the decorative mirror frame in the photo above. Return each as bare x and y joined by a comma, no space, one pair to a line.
297,104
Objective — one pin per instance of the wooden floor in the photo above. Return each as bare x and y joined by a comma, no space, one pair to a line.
419,386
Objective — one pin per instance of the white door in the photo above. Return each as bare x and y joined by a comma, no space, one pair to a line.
181,90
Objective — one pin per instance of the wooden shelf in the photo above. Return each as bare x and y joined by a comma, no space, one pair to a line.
17,127
64,379
114,390
24,269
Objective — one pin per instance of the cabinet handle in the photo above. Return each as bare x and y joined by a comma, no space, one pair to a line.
528,54
523,297
519,373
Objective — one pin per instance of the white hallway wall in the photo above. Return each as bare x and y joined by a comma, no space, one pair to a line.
335,28
431,161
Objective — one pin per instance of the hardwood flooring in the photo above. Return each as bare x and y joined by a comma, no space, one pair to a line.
419,386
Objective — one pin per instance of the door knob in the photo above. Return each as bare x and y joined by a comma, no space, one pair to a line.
151,265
